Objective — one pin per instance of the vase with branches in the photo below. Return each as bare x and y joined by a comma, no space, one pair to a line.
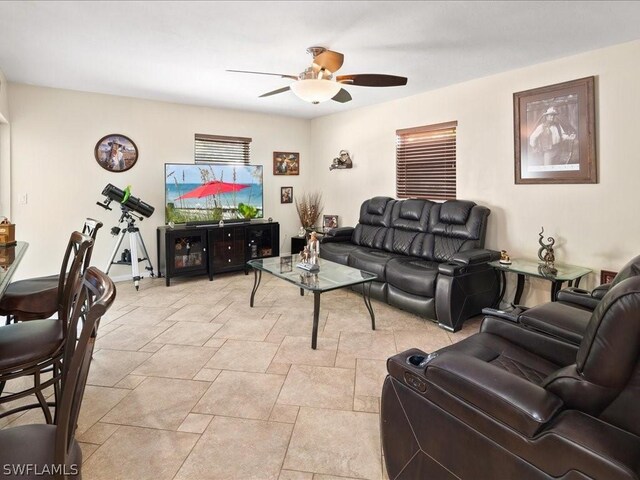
309,207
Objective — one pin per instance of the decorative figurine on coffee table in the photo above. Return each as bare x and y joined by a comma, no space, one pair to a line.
314,247
546,254
504,258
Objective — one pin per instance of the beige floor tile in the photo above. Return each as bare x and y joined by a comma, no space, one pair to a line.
175,361
108,367
239,328
129,337
370,375
297,323
215,342
207,375
130,381
151,347
284,413
87,450
297,350
346,321
323,442
148,316
243,356
160,299
241,394
331,477
293,475
197,313
211,298
195,423
429,339
158,403
98,433
234,449
366,404
325,387
188,333
374,345
140,454
97,401
279,368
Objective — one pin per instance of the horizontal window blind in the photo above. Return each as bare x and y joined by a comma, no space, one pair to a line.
217,148
426,162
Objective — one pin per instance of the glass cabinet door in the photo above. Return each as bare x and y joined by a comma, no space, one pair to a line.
188,252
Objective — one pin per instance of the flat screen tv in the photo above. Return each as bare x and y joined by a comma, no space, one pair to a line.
206,193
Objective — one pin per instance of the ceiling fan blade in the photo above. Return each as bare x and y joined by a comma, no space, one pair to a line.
342,96
372,80
329,60
275,92
283,75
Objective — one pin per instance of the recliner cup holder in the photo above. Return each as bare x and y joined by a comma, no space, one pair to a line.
419,361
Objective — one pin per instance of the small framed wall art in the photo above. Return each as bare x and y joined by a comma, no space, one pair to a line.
286,194
116,152
554,133
329,221
286,163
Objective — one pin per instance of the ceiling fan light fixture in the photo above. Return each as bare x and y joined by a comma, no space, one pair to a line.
315,91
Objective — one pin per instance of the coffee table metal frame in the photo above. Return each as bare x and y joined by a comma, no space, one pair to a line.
331,276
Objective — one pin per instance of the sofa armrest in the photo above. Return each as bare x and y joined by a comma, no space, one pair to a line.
462,261
600,291
512,400
340,234
578,296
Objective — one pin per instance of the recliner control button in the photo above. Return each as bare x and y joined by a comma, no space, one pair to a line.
415,382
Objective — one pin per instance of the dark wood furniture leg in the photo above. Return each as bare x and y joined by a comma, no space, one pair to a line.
316,319
257,276
519,289
366,295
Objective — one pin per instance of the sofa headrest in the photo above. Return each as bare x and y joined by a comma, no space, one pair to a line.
456,212
376,205
411,214
631,269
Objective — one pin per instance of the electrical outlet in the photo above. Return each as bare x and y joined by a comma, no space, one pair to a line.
24,199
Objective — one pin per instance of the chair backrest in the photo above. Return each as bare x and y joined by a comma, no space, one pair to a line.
94,292
90,228
631,269
72,267
375,219
608,362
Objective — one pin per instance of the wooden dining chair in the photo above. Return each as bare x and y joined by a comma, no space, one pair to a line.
38,298
28,451
34,347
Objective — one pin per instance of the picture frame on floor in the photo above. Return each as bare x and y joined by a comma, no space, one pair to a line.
554,133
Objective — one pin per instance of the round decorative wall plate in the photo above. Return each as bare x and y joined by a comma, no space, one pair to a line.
116,153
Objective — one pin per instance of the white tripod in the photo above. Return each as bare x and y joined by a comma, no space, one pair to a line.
135,240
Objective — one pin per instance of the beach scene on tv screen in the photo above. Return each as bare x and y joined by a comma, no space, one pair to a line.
212,192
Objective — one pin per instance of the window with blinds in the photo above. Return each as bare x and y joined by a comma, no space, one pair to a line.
426,162
220,149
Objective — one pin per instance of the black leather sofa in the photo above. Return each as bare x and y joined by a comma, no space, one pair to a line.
428,257
509,402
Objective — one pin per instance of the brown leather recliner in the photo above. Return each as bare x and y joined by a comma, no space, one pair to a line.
511,403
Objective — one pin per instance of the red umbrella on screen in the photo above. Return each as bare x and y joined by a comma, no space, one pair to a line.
213,188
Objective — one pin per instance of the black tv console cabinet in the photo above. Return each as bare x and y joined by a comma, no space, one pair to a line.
199,250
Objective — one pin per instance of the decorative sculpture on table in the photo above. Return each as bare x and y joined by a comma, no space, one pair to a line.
546,254
314,248
309,256
341,162
504,258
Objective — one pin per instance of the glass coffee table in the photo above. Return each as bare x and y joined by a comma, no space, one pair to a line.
533,268
331,276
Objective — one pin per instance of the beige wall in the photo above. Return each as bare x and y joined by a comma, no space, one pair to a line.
55,131
595,225
5,149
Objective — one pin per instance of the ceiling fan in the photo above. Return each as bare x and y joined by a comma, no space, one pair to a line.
318,83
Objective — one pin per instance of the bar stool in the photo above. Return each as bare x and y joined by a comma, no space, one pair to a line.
34,347
54,446
38,298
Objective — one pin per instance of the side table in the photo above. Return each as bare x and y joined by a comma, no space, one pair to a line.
532,268
297,244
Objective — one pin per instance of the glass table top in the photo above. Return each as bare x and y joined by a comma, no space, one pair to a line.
9,259
535,268
330,276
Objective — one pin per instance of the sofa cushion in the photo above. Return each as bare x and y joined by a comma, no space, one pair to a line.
371,260
413,275
337,251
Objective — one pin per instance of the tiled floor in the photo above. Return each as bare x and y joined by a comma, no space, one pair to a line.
188,382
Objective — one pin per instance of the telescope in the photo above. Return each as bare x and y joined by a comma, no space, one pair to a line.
126,201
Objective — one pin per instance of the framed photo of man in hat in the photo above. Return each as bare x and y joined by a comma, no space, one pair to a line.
554,130
116,153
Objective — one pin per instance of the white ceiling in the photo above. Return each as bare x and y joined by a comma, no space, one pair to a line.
179,51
